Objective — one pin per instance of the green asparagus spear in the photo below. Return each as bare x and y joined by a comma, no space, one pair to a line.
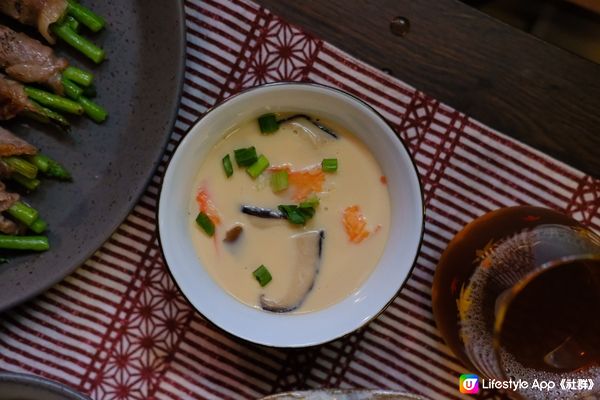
90,50
28,215
79,76
23,213
53,101
71,89
38,226
45,115
57,171
49,167
21,166
93,110
73,23
86,16
40,161
27,183
35,243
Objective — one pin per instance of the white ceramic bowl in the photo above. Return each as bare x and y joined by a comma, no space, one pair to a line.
292,330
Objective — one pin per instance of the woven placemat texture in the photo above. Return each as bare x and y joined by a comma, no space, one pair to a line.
118,327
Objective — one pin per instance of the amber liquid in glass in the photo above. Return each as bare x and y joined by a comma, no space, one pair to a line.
553,324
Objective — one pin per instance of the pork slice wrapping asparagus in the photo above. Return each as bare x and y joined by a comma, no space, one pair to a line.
37,13
29,61
13,99
7,200
12,145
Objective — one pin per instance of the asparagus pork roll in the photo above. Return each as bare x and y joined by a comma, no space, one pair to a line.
58,18
11,147
29,61
15,101
37,13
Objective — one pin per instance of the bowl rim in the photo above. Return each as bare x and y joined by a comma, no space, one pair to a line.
306,84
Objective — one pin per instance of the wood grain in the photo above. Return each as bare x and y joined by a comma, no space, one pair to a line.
507,79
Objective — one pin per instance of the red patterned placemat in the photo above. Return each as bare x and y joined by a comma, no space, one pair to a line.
119,329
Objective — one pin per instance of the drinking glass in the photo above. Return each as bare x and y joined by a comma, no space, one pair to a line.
517,297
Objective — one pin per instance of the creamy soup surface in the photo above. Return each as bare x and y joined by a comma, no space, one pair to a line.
312,271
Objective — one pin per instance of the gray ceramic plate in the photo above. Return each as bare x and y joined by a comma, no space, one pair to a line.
29,387
111,163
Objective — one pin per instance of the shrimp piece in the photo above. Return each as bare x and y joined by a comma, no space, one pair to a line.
305,182
207,206
355,224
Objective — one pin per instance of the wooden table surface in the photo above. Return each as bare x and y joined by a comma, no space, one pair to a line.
505,78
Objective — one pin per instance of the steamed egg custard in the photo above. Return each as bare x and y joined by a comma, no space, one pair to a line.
289,213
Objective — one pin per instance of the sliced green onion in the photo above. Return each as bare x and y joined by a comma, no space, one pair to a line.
313,202
262,275
329,165
292,214
307,212
205,223
297,215
245,157
227,165
268,123
279,181
258,167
